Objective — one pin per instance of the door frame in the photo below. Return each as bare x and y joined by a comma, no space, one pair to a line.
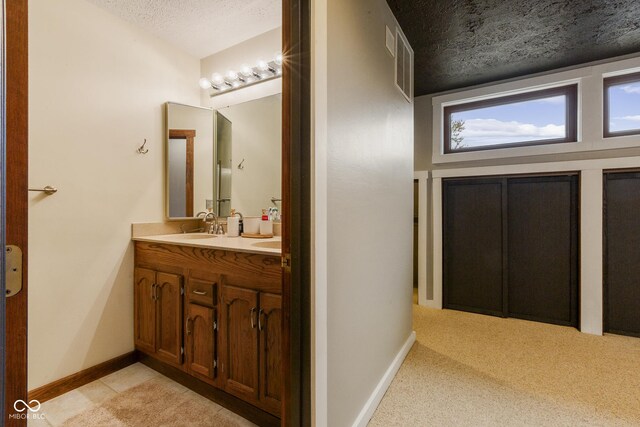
296,210
16,202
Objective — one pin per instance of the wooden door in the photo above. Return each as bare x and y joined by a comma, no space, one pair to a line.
239,342
473,245
200,340
144,310
15,227
270,326
542,249
169,317
622,253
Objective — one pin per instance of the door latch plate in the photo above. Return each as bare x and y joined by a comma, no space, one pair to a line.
13,270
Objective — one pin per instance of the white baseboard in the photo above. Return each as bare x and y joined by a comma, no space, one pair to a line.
378,393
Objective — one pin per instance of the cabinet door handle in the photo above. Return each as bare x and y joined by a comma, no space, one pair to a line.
253,324
153,291
197,292
187,325
260,313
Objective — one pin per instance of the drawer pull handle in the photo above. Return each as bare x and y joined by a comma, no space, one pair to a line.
260,313
197,292
187,325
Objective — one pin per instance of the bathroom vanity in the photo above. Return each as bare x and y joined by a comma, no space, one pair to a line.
210,307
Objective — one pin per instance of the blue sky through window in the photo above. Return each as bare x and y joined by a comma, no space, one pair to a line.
624,107
534,120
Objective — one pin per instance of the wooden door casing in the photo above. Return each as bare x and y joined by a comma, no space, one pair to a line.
239,342
144,309
169,317
200,340
270,326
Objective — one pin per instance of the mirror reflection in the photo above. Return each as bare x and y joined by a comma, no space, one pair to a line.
225,159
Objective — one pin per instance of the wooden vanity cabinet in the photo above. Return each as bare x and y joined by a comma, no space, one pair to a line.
232,317
158,314
201,327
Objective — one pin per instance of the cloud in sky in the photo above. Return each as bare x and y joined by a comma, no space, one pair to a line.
553,100
635,89
631,118
493,131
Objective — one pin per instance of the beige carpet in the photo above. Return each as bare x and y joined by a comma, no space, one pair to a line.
157,402
473,370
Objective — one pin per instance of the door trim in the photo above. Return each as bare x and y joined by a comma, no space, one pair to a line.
296,209
16,200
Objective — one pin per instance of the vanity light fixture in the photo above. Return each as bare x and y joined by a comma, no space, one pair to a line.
247,76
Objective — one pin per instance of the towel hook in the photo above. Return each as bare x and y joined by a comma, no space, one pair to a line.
241,164
143,150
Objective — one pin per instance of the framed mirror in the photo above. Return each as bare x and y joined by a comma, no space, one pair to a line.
223,159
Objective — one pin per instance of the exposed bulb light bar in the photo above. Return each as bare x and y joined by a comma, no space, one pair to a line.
247,76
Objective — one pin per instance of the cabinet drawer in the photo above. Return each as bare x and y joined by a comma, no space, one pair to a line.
202,292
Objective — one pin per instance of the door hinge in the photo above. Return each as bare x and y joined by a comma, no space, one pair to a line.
13,270
286,262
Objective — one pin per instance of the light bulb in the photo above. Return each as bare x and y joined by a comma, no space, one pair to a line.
232,75
279,71
205,83
217,78
246,71
279,59
236,84
263,65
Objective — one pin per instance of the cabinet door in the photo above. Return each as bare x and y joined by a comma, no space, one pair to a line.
270,326
239,342
169,318
144,309
200,340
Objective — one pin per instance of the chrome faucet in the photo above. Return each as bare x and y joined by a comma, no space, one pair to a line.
214,226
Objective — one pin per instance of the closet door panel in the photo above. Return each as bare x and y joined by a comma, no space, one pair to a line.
541,254
622,253
473,245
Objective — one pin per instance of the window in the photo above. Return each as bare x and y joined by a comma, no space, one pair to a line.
533,118
622,105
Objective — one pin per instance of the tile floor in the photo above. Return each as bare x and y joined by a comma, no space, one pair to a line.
89,399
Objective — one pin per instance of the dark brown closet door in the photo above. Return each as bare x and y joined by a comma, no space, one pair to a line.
473,247
622,253
542,249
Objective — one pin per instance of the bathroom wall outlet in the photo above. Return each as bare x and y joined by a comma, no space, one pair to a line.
209,203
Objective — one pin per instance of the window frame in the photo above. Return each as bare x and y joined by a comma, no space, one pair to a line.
607,83
570,91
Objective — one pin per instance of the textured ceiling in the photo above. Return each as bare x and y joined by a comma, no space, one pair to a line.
200,27
461,43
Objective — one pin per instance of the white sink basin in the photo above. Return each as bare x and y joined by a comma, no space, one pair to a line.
268,245
194,236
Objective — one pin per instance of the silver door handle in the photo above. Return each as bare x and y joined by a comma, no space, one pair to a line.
48,190
197,292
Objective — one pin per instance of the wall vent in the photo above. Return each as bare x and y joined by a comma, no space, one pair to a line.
404,66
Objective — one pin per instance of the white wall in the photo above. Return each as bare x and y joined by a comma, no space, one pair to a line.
97,89
363,202
264,47
588,156
256,128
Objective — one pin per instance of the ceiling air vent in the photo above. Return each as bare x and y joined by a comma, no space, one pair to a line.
404,66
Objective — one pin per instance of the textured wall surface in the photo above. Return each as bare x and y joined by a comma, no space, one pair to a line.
199,27
461,43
